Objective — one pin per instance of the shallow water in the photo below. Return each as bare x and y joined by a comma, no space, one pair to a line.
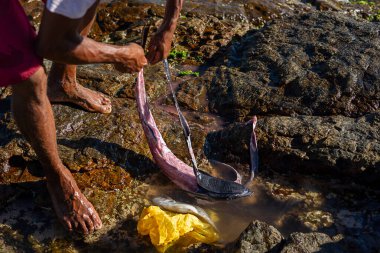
290,203
232,216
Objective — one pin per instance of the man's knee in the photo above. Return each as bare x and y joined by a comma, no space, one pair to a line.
34,87
31,91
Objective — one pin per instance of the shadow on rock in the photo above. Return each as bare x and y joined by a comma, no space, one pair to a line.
135,164
123,237
6,134
26,217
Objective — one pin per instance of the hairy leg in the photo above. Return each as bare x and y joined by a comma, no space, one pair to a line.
63,86
34,117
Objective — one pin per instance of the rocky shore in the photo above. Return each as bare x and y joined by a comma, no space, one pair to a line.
308,69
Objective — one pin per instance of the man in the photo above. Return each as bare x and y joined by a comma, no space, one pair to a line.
62,39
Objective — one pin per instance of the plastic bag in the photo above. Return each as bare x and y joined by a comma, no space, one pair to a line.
175,231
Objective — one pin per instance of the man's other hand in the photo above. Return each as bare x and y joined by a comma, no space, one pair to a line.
131,58
159,46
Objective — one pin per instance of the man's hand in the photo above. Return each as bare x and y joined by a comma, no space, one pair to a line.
159,46
131,58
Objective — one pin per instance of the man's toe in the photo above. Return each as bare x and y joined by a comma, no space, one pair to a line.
107,109
82,227
96,221
67,224
105,100
89,223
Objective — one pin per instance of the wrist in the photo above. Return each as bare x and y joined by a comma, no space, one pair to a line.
120,54
170,24
166,30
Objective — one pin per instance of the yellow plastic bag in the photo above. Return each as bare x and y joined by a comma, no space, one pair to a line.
175,231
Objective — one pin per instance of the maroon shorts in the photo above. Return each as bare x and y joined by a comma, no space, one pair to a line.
18,58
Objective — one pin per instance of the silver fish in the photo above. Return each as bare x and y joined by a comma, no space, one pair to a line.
170,204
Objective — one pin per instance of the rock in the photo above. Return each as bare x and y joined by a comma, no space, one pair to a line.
109,158
361,242
119,15
327,5
310,242
336,145
193,96
258,237
313,65
252,11
321,63
320,242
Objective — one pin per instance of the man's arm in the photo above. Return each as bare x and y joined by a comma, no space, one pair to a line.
59,40
159,47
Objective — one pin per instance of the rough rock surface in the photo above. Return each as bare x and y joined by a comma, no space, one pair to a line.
312,64
292,66
259,237
334,145
310,242
110,160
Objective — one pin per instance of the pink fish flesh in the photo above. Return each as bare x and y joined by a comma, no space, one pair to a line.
176,170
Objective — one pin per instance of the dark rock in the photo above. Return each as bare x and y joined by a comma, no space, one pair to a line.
360,242
312,64
310,242
258,237
334,145
320,242
119,15
193,95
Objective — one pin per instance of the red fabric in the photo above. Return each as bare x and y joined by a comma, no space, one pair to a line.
18,59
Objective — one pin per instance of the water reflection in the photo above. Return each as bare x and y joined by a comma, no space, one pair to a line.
233,216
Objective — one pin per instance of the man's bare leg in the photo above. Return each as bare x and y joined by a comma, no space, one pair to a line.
34,117
63,86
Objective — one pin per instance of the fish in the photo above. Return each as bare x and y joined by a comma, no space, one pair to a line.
176,170
170,204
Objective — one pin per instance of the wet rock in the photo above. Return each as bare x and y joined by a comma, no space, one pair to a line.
243,11
259,237
312,64
361,242
193,97
335,145
310,242
327,5
119,15
204,35
33,9
110,160
110,157
319,242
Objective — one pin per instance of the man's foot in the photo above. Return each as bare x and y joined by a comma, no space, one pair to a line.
74,211
77,94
